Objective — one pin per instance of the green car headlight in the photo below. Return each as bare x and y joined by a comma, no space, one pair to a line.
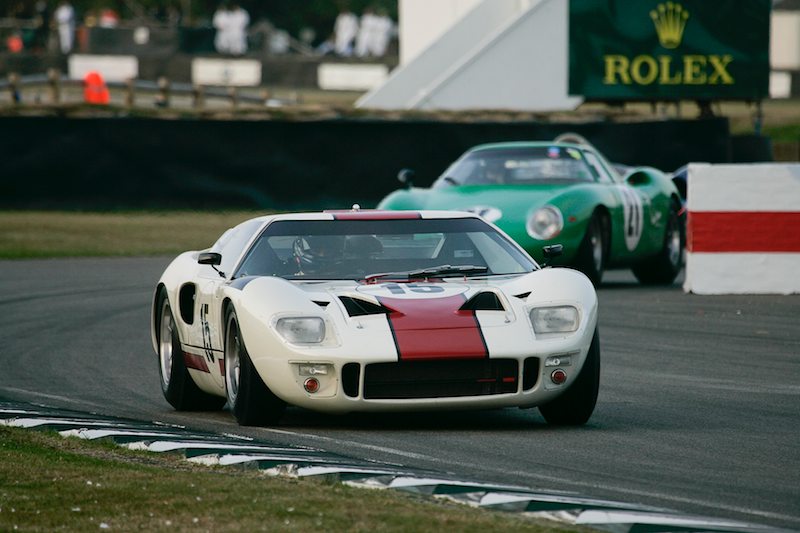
560,319
301,330
545,223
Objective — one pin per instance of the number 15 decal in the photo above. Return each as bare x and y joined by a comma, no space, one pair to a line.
412,290
396,288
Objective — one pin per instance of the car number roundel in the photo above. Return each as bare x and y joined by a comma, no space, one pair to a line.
411,291
488,213
632,216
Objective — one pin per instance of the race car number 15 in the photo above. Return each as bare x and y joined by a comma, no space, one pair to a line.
411,290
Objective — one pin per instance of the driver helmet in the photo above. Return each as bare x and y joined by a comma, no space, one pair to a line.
315,253
494,171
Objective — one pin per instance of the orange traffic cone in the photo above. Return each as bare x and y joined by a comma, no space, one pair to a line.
95,90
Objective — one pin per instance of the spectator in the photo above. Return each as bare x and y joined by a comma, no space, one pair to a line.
365,31
374,34
231,22
65,19
42,25
222,23
240,20
382,33
345,30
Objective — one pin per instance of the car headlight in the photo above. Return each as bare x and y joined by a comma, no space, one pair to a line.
301,330
545,223
561,319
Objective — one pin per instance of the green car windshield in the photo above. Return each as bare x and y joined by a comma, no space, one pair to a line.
518,166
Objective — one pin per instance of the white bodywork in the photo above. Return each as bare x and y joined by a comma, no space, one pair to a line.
260,302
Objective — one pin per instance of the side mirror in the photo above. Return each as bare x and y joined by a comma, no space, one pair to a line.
406,177
210,258
551,252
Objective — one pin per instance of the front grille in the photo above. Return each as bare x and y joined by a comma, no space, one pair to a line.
440,378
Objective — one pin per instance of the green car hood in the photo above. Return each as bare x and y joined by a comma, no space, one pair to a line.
509,199
513,205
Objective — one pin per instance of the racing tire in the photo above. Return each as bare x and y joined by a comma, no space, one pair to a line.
593,251
177,384
575,406
664,267
251,401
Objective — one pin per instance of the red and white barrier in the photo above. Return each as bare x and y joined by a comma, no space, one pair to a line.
743,232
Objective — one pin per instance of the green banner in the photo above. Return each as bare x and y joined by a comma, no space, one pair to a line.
665,50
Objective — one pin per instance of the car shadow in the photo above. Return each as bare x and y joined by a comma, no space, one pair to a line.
509,419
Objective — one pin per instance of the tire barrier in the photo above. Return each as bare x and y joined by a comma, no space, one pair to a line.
743,233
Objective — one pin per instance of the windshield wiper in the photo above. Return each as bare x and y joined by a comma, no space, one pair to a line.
441,271
447,270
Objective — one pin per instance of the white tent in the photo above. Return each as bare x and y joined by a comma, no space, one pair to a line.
496,54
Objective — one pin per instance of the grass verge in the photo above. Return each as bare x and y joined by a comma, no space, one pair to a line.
51,483
36,234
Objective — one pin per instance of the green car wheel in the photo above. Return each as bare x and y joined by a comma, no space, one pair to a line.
663,268
591,259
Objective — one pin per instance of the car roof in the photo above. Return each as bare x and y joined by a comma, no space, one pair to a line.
525,144
366,214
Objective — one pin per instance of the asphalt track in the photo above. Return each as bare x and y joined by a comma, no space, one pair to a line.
699,408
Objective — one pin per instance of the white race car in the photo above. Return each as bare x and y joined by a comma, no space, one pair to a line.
374,311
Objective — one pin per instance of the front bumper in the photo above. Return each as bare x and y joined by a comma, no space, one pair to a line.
421,385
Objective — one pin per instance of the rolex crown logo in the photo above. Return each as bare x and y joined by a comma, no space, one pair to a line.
669,19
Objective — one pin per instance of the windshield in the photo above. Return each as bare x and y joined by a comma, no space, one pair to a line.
361,249
518,166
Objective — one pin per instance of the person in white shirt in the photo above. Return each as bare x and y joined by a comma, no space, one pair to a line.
239,21
222,23
383,27
365,32
345,31
65,19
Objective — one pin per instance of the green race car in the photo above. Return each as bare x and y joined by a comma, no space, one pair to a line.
564,192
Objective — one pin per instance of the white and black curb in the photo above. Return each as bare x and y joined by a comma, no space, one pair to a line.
232,450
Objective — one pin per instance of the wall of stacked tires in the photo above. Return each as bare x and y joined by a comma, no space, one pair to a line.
129,163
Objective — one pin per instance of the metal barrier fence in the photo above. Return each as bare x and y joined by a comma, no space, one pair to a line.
52,88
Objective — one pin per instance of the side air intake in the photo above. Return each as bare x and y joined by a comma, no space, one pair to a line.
359,307
483,301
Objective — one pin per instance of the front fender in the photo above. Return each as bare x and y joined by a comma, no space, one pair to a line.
260,303
178,272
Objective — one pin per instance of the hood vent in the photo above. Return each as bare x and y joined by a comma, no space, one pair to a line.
321,303
359,307
523,296
483,301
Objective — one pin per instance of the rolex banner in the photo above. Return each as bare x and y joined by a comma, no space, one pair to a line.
665,50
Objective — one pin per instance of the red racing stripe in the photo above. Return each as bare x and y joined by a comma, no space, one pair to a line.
374,215
744,231
197,362
435,328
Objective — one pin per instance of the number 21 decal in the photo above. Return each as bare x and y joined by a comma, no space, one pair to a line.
633,216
